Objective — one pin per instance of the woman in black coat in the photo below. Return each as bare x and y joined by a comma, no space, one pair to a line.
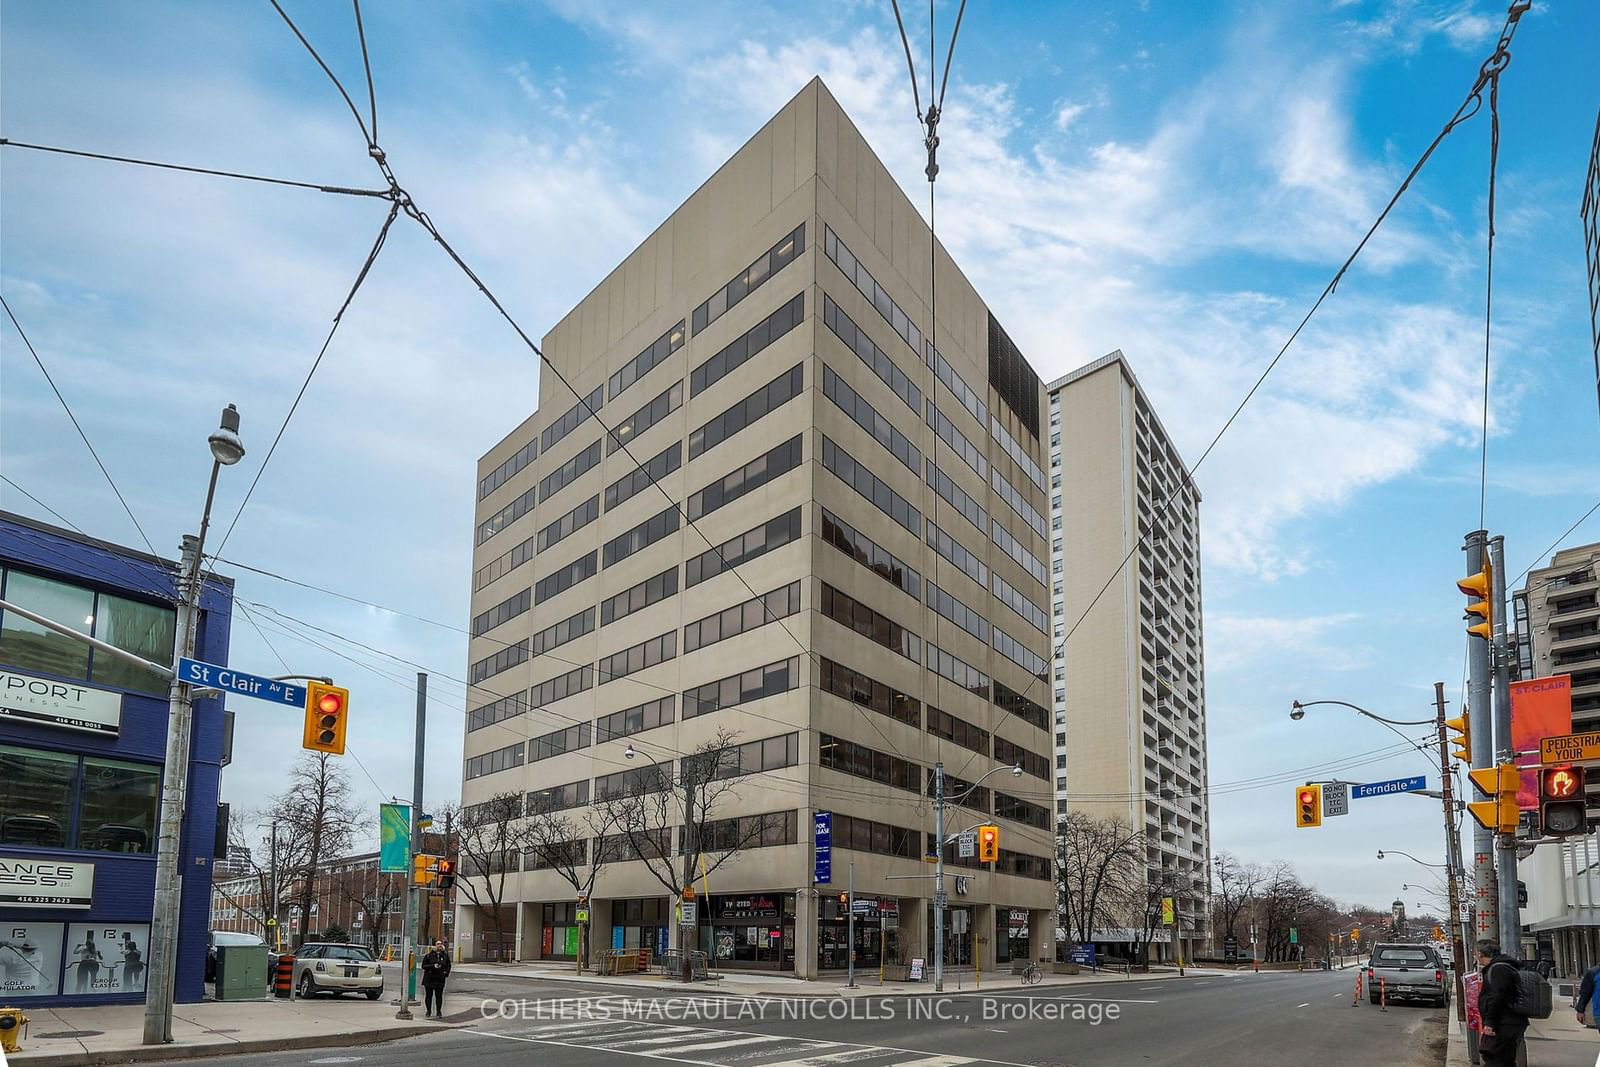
435,969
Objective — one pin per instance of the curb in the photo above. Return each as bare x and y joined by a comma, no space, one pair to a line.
145,1053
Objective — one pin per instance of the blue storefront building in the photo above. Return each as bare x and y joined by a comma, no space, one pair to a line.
82,745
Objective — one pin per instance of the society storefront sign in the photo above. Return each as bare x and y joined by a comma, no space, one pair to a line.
69,705
30,960
26,882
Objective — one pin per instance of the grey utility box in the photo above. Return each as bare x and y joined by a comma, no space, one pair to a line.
241,972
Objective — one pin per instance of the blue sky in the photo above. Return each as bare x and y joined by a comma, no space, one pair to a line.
1171,179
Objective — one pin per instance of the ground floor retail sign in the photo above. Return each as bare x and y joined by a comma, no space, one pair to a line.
50,702
27,881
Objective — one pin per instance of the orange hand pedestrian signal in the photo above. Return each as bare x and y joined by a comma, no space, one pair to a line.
1563,807
1308,806
326,708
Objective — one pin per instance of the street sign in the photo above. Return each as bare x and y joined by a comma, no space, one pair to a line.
1335,799
940,900
581,915
822,872
967,844
691,913
213,676
1569,748
863,906
1393,785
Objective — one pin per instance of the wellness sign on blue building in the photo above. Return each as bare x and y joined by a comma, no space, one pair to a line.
82,744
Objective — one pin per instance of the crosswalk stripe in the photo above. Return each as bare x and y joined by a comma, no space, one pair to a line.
936,1061
747,1039
834,1059
631,1042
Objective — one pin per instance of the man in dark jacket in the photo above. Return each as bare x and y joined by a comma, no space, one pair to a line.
435,969
1502,1030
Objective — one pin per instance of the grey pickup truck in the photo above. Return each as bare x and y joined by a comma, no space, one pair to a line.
1407,972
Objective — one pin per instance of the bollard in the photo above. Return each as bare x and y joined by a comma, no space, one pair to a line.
1355,994
1383,994
283,980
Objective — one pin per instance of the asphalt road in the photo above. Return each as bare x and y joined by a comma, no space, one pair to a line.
1267,1018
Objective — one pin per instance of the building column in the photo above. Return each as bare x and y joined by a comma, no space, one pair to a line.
805,932
599,932
516,945
980,938
466,932
1042,934
914,931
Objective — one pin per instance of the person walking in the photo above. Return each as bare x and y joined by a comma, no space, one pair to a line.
1501,1032
435,969
1584,1002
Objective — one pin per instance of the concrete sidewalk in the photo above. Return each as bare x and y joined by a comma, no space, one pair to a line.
1559,1041
58,1037
764,984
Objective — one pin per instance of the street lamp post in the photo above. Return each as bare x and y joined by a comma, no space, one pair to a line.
688,828
939,899
1453,868
226,450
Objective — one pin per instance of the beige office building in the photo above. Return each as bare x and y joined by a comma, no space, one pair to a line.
1129,682
791,517
1557,615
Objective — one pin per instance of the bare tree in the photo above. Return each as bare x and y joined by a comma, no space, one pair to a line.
554,839
1096,859
648,807
374,893
1141,900
1237,884
316,820
489,843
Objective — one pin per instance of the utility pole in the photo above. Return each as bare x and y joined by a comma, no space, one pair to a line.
1452,853
850,927
272,905
1506,852
406,929
938,877
1484,880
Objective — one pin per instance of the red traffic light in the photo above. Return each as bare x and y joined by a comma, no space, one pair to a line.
1561,783
329,703
1308,796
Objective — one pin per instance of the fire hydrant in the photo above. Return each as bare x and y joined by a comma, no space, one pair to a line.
12,1023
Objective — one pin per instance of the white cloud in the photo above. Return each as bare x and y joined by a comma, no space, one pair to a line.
1303,642
1067,114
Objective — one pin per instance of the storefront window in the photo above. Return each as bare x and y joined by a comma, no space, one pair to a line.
1010,934
120,800
877,931
749,930
27,645
143,629
36,789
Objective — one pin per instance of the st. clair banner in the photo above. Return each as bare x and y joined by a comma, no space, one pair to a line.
1540,708
394,838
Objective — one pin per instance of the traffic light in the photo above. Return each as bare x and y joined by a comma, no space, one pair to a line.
423,870
1308,806
988,844
1499,784
446,875
1480,587
1563,807
1462,728
326,710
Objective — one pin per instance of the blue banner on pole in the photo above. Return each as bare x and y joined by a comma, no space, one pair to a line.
1393,785
823,839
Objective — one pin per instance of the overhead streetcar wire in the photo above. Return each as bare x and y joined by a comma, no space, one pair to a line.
341,190
76,425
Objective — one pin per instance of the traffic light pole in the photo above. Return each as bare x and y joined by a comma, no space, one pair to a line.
1506,853
1460,931
1486,911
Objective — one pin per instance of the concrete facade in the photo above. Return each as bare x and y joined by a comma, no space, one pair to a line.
796,404
1129,684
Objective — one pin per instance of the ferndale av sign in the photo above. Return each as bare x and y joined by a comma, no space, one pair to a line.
49,702
27,882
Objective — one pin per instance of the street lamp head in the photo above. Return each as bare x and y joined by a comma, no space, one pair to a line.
1016,770
226,448
1297,711
628,754
1380,853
